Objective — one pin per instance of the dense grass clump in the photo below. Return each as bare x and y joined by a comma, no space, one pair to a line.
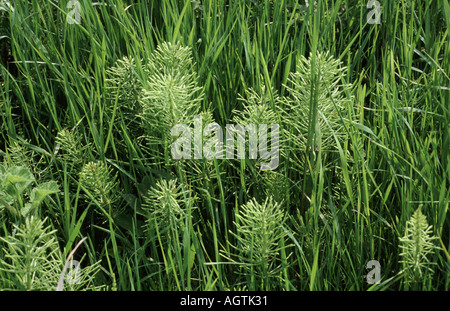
90,93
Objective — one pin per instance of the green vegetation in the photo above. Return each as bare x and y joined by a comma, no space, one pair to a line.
85,145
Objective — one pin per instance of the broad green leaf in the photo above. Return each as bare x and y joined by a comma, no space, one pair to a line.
19,176
40,192
5,197
26,210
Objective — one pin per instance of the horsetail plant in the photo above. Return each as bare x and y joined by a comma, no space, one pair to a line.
98,181
30,256
163,93
167,205
416,246
259,234
363,119
32,259
70,147
123,83
316,105
171,94
263,108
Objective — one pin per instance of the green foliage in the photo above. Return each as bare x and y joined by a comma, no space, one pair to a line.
31,255
363,115
4,30
18,155
168,210
417,245
171,95
72,149
167,205
100,183
33,260
263,108
259,231
13,183
317,105
258,108
124,84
